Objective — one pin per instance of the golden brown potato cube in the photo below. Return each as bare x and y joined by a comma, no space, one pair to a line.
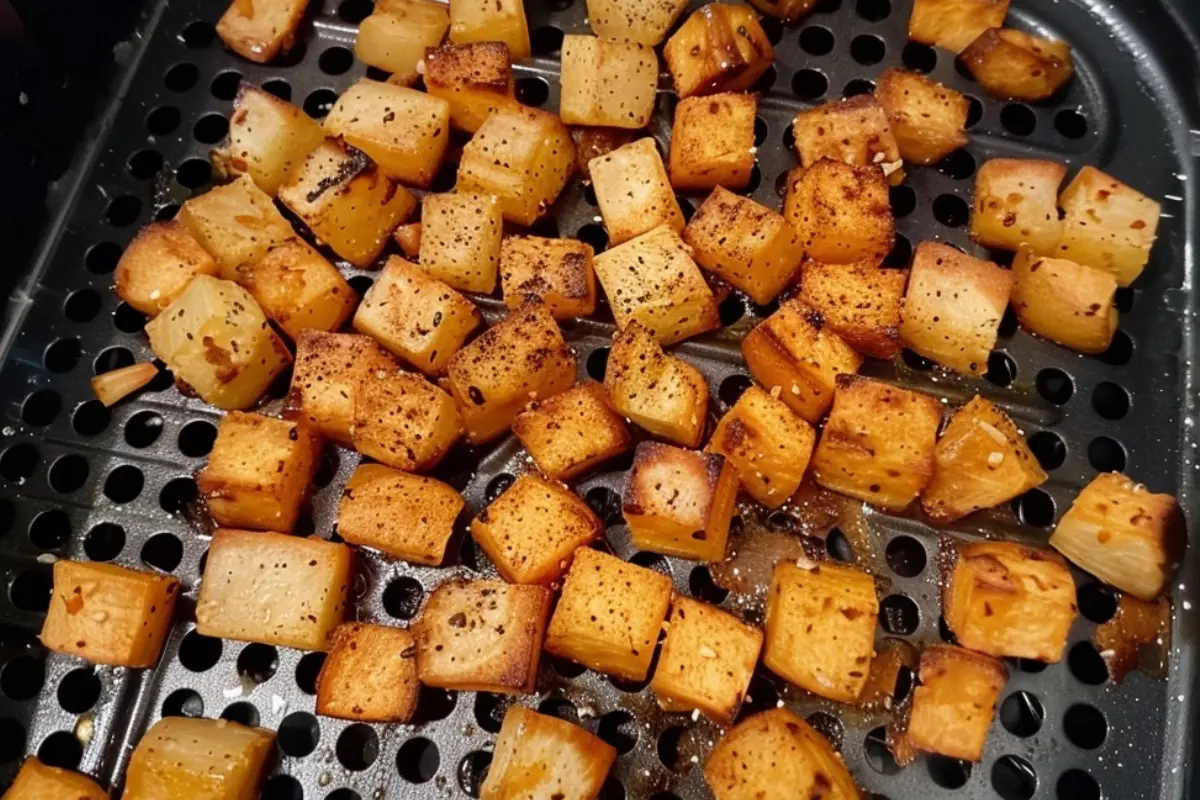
259,30
659,392
482,636
404,421
1123,534
274,588
793,350
298,289
952,707
633,191
712,142
679,502
607,82
878,443
408,238
216,340
258,472
841,212
568,434
851,131
706,661
594,142
159,264
531,530
1107,225
347,202
541,756
643,21
475,79
1014,65
558,271
1016,202
38,781
460,240
1068,303
329,368
396,35
767,445
654,281
789,12
237,223
109,614
1007,599
523,156
953,307
370,674
609,615
954,24
490,21
719,48
982,461
212,759
927,118
860,302
406,516
776,755
416,316
269,138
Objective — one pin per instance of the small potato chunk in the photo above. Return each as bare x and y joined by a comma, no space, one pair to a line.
653,280
1065,302
982,461
460,240
1013,65
860,302
258,472
595,142
609,615
159,264
416,316
953,307
1006,599
396,35
927,118
209,759
521,358
268,138
237,223
878,443
1107,225
643,21
679,502
370,674
659,392
633,191
776,755
767,445
789,12
274,588
347,202
490,21
406,516
408,238
541,756
841,212
954,24
852,131
109,614
792,349
523,156
712,142
403,421
216,340
747,244
37,781
706,661
1016,202
531,531
719,48
607,82
115,385
298,289
259,30
329,368
1123,534
482,636
558,271
568,434
475,79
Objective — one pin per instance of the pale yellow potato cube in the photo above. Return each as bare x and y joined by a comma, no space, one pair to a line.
209,759
397,33
236,223
606,82
269,138
299,289
460,240
490,21
644,21
634,192
541,756
259,30
712,142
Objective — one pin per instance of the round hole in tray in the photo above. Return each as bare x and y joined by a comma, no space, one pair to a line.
343,794
532,90
1013,778
559,707
1054,385
919,57
1002,369
102,258
1106,454
198,34
280,787
867,49
12,739
258,662
628,686
124,484
418,760
178,495
1049,449
951,210
1097,602
335,60
194,173
472,771
82,305
1120,351
162,551
279,87
878,754
1071,124
199,653
79,690
901,253
181,77
196,438
357,747
123,210
318,102
104,542
167,212
773,28
489,710
762,694
61,749
434,704
809,84
546,40
1085,726
606,503
873,10
91,418
974,111
816,40
944,632
41,407
225,85
703,587
858,86
732,389
731,309
906,556
145,164
1021,713
565,668
30,591
22,678
128,319
112,358
1086,664
902,199
1018,119
837,546
355,11
307,671
899,615
143,429
50,529
612,789
1008,324
1110,400
654,561
1035,508
498,486
210,129
243,713
7,515
672,749
766,80
163,120
1123,299
761,131
19,462
829,726
958,165
327,468
1075,784
361,284
619,729
948,773
292,56
753,183
299,734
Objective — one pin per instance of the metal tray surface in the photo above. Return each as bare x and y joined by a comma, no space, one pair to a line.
80,481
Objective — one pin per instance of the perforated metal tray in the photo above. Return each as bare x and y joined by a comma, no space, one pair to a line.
80,481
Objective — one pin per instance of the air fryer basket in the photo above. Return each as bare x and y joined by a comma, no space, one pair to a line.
80,481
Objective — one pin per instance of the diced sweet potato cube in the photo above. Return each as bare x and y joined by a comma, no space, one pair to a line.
860,302
236,223
644,21
1016,202
541,756
212,759
568,434
789,12
953,307
298,289
852,131
274,588
475,79
38,781
712,142
370,674
159,264
633,191
329,368
719,48
558,271
607,82
268,138
609,615
1068,303
403,421
406,516
460,240
841,212
109,614
594,142
396,35
1014,65
482,636
490,21
954,24
927,118
260,30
